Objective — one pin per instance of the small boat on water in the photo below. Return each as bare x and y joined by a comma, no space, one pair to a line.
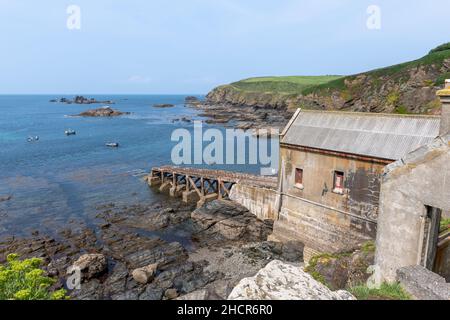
112,145
70,132
33,139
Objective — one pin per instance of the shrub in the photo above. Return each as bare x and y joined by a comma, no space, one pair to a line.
368,247
386,291
445,225
441,79
393,98
442,47
401,110
24,280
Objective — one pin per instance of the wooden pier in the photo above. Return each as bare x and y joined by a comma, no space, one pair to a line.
202,185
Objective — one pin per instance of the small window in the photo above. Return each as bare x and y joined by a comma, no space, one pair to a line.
338,186
299,178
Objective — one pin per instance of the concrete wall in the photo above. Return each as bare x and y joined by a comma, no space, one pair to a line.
324,220
321,229
421,179
259,201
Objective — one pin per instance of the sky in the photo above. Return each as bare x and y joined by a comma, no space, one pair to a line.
191,46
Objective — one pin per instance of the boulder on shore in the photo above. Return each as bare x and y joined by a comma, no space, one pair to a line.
281,281
226,220
102,112
90,265
145,274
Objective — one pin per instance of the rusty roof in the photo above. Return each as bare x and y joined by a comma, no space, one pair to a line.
384,136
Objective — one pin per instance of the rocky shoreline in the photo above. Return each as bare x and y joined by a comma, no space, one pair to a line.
244,117
184,253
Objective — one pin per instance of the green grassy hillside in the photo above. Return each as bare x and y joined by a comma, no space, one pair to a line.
435,57
290,84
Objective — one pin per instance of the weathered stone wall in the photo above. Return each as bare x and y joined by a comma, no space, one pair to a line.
321,229
409,185
324,220
259,201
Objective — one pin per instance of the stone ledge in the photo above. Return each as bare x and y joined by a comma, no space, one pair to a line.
423,284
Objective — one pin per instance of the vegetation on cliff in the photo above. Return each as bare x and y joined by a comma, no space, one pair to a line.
408,87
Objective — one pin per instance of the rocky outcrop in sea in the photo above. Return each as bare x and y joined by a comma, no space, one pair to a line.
163,105
81,100
102,112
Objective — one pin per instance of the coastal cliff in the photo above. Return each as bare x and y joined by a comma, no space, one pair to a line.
409,87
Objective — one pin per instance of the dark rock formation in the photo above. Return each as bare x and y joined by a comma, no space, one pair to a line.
191,100
225,220
163,105
5,198
81,100
245,117
102,112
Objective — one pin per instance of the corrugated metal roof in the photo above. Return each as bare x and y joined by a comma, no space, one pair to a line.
376,135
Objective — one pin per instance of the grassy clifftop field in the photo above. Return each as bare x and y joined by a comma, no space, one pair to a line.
288,85
408,87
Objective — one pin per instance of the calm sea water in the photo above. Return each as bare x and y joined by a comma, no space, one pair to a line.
60,178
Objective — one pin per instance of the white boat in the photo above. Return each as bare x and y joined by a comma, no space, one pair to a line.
70,132
112,145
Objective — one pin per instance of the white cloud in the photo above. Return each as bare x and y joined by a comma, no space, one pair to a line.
139,79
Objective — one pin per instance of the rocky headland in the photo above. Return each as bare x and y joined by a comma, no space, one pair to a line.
102,112
268,102
244,117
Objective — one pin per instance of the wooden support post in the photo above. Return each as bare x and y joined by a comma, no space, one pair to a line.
202,186
219,188
207,198
154,181
190,196
165,187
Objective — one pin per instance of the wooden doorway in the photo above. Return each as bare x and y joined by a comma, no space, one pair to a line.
430,237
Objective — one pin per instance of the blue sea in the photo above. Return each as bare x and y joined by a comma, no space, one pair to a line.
63,178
